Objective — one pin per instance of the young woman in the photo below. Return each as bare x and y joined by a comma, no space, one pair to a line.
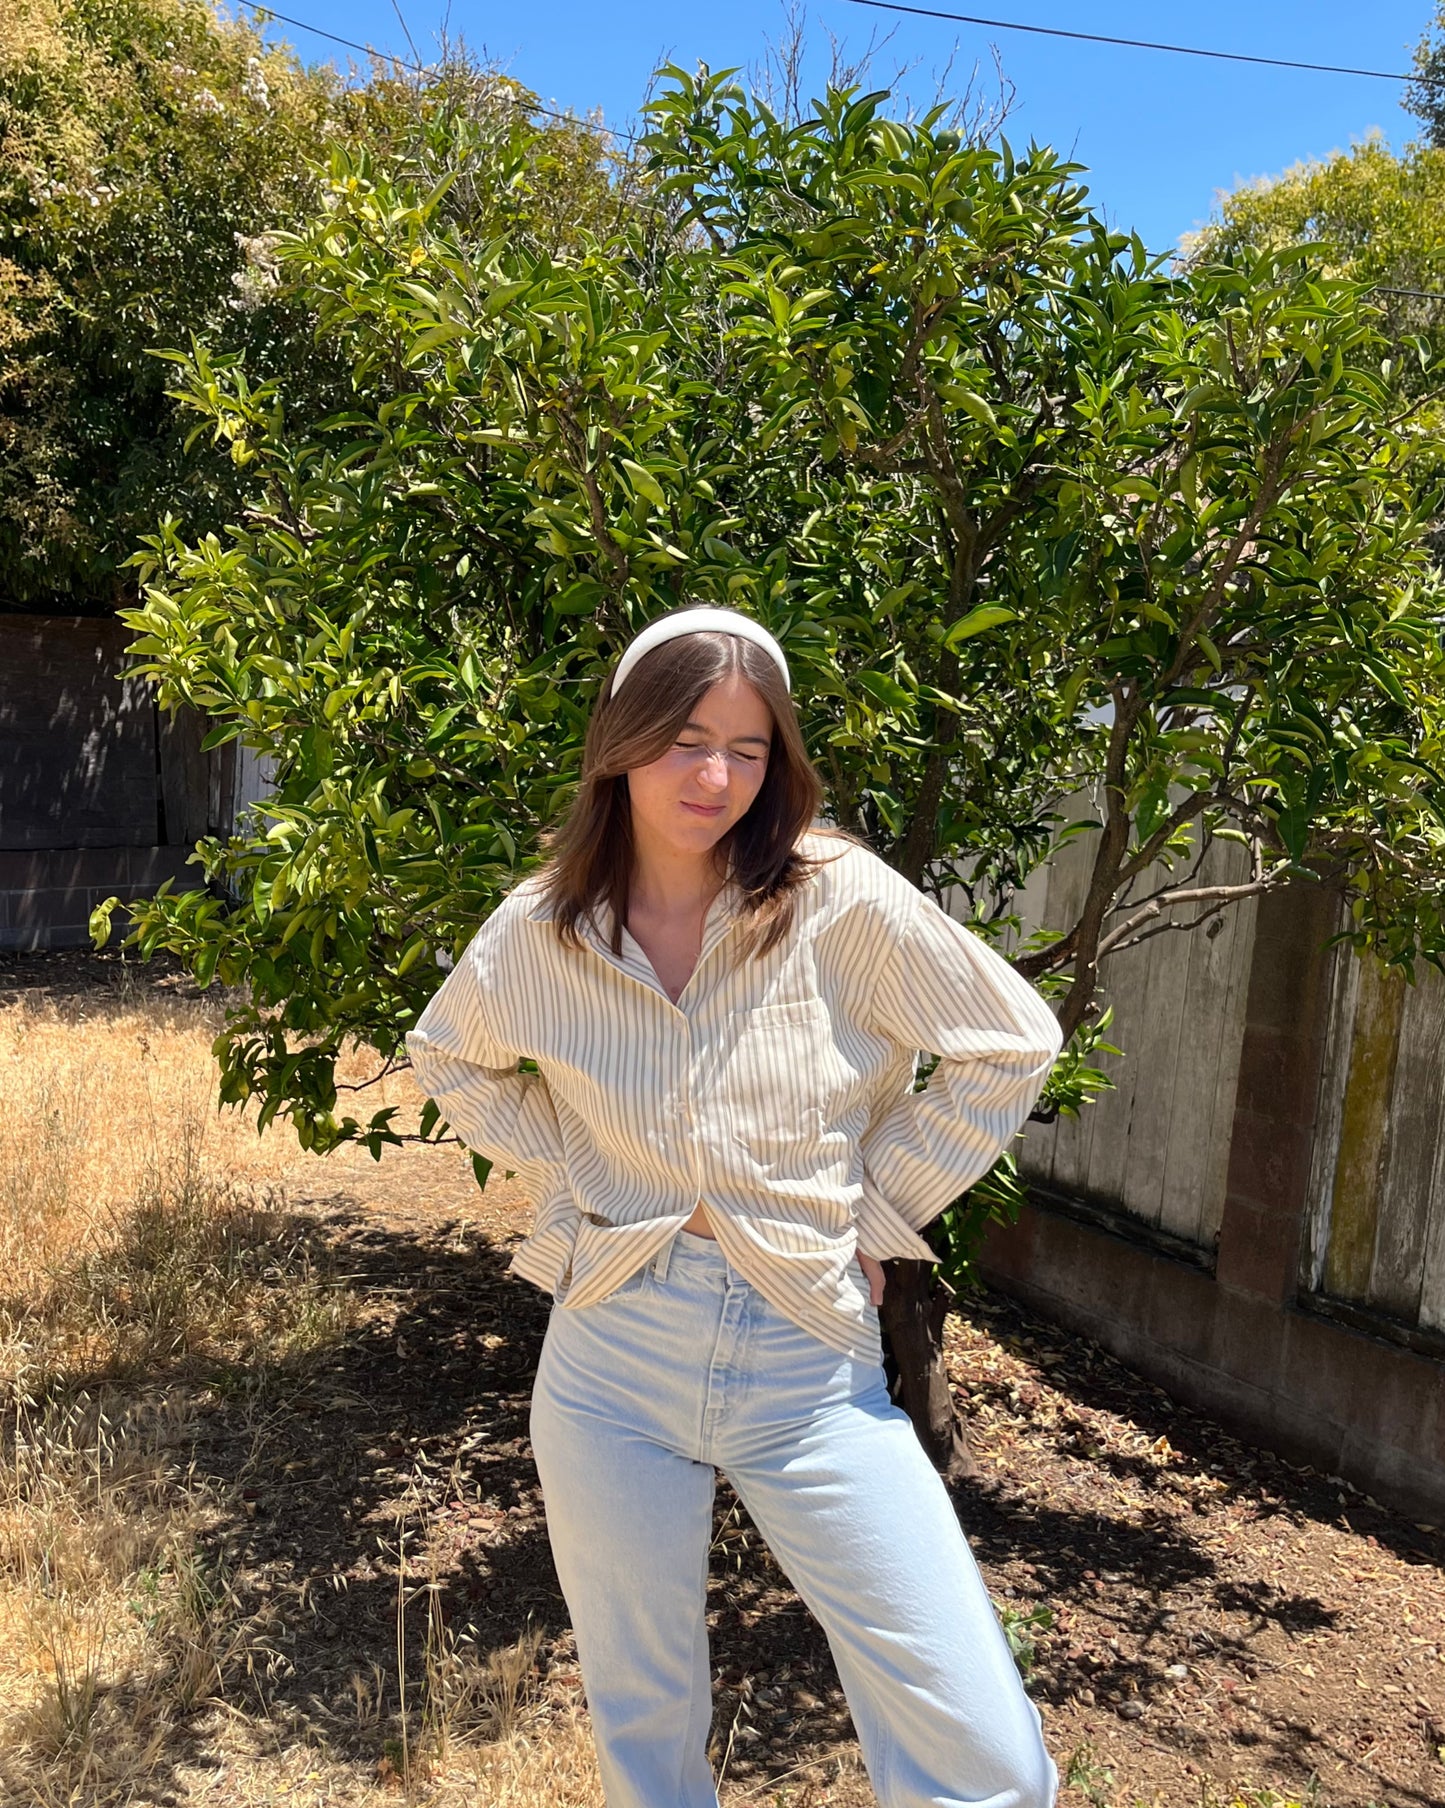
723,1001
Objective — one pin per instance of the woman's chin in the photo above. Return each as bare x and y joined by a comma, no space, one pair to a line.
704,836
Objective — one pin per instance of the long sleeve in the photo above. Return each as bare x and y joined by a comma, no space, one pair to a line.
500,1113
944,991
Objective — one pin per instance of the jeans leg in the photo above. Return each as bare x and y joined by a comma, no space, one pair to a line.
630,1523
863,1526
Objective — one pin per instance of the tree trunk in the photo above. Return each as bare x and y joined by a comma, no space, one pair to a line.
912,1314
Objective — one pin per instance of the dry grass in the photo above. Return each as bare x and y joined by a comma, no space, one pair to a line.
144,1257
150,1269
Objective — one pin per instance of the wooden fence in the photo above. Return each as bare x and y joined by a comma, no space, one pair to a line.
1375,1225
101,793
1256,1218
1156,1149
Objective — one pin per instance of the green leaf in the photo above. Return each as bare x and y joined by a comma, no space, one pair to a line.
203,967
441,725
1073,690
645,483
887,690
99,922
1293,824
416,947
971,403
978,621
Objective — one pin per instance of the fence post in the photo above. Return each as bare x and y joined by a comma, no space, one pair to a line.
1277,1100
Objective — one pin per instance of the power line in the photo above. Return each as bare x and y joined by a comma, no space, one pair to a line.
269,12
1092,37
964,19
928,12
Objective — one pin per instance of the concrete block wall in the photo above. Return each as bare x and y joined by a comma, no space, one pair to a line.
47,894
1243,1342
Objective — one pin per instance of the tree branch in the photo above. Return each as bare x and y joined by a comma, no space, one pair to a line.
1104,880
392,1066
1220,895
912,852
1243,539
596,510
1175,821
1122,901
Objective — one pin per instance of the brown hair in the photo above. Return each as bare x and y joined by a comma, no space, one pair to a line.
591,852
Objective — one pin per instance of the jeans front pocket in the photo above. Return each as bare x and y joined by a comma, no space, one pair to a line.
607,1262
634,1283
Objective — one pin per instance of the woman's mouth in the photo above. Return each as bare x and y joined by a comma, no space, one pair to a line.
703,809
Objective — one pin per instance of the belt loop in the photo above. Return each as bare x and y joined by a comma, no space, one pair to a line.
659,1261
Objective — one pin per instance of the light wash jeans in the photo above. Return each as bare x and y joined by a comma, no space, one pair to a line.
687,1367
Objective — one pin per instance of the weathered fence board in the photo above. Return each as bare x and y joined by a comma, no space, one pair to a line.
79,740
1160,1026
1407,1183
253,779
1432,1268
1193,1182
1364,1117
1156,1148
100,792
1376,1231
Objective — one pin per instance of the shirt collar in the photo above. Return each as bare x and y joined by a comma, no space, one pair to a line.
722,913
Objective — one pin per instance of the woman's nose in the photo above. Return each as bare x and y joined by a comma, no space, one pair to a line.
715,769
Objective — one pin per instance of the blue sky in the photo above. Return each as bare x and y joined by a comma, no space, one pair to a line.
1160,134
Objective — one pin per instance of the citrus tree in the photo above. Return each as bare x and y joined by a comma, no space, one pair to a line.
1029,514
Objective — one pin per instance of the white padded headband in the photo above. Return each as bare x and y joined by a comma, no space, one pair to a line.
698,621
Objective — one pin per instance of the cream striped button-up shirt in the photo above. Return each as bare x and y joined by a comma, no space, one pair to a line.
776,1091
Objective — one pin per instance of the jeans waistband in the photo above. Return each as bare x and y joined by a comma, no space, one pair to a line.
690,1240
687,1245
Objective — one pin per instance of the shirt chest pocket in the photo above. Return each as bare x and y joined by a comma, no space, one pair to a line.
783,1082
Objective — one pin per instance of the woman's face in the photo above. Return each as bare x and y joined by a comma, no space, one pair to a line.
685,802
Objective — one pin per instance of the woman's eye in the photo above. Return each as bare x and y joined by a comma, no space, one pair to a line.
750,759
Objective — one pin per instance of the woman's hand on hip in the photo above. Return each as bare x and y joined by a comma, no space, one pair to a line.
874,1272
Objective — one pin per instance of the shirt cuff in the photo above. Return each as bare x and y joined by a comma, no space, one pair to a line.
545,1257
883,1233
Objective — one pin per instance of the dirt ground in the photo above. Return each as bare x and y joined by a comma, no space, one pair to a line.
1224,1625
